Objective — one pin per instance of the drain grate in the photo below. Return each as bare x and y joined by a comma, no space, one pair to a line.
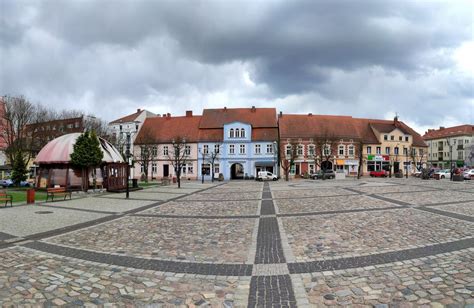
44,212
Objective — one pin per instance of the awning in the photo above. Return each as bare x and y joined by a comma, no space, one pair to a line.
264,163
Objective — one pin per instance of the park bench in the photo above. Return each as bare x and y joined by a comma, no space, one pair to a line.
6,197
57,191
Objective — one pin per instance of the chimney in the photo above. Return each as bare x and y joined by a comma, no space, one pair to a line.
168,115
441,127
225,109
395,120
253,109
310,114
189,113
281,114
139,110
164,115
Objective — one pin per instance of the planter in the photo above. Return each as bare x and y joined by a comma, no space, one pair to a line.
458,178
399,175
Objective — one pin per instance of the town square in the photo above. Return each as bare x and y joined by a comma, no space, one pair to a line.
237,153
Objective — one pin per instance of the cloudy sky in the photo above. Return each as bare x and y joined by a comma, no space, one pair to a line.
361,58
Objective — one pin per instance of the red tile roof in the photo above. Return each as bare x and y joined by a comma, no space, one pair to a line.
165,129
128,118
257,117
460,130
343,127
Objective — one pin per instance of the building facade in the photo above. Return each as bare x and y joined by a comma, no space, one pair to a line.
242,142
125,130
450,146
345,143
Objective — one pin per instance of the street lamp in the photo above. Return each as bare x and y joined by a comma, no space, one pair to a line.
127,155
277,158
406,162
202,165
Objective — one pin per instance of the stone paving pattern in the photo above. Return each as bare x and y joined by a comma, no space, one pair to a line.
167,238
205,208
461,208
315,237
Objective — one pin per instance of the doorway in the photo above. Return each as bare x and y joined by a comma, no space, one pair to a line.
326,165
236,171
166,171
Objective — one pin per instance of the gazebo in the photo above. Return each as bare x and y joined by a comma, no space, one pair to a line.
55,169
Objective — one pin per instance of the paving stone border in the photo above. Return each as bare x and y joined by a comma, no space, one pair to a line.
445,213
342,211
271,291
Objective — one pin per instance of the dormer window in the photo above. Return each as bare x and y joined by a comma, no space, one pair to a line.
237,133
231,134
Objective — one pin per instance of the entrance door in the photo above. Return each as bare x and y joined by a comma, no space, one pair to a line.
297,169
166,170
396,167
236,171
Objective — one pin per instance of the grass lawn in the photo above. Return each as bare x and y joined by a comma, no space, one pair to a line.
19,194
145,184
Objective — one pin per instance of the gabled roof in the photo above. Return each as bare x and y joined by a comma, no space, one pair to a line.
165,129
257,117
343,127
461,130
131,117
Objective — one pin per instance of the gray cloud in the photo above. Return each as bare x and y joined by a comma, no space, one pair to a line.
366,58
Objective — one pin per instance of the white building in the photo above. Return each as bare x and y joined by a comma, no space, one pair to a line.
451,145
125,130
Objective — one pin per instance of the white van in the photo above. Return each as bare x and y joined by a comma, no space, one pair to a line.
265,175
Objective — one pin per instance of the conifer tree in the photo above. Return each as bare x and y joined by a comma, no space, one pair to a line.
87,153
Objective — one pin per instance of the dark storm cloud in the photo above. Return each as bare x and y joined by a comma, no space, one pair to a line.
347,56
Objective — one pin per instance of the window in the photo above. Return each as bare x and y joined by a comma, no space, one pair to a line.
231,149
269,148
217,149
405,151
242,149
311,168
395,150
460,155
231,133
378,150
311,150
413,152
190,169
300,150
369,150
385,137
400,138
327,150
242,133
421,152
216,168
165,150
257,149
154,151
406,138
387,150
351,150
288,150
237,133
120,127
187,150
206,169
154,168
206,149
136,127
341,150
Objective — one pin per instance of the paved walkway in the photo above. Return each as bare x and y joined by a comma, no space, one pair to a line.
371,242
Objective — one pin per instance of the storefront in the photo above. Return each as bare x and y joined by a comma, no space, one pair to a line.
350,166
378,162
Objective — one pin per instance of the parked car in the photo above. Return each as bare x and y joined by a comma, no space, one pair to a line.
444,174
9,183
328,174
378,174
468,174
265,175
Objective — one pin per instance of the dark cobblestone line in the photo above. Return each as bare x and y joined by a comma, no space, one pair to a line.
146,264
267,208
271,291
53,206
5,236
269,248
447,203
266,194
382,258
343,211
258,199
389,200
354,190
196,216
446,213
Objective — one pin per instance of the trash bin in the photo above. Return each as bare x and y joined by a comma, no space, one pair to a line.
436,176
134,183
30,196
174,180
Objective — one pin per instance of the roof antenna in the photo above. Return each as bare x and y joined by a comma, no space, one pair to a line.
395,119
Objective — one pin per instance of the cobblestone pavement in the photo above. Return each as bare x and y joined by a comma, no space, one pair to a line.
303,243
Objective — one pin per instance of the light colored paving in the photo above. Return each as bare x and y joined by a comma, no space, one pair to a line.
430,197
182,239
204,208
100,204
461,208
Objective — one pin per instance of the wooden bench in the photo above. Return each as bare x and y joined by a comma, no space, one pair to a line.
6,197
61,191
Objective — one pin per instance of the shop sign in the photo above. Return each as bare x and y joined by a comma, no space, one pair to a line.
340,162
351,162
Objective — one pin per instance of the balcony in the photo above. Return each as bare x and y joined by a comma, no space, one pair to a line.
460,147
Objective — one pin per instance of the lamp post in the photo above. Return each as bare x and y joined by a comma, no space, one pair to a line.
406,162
276,154
202,165
127,154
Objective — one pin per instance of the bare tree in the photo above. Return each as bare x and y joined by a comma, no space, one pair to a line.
288,156
325,150
178,156
417,159
213,157
360,152
148,150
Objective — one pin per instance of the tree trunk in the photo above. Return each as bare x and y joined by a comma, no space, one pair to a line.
85,179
